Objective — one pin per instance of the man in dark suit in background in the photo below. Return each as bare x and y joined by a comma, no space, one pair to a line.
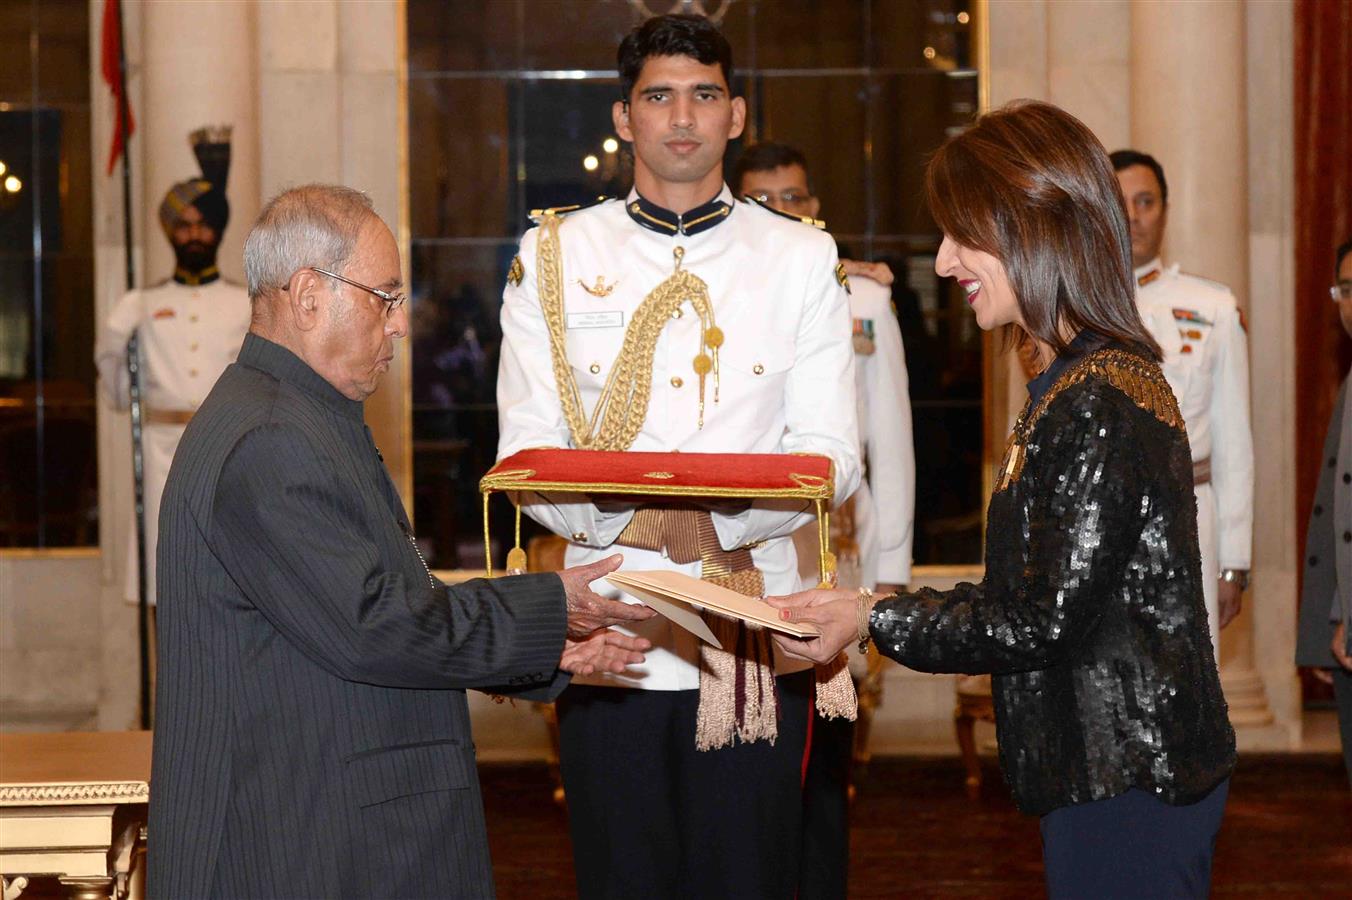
1326,600
314,737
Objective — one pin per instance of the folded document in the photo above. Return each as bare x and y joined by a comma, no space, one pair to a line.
680,597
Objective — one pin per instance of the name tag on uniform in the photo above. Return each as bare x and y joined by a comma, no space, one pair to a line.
604,319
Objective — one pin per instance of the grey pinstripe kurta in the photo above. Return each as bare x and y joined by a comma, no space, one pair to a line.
313,736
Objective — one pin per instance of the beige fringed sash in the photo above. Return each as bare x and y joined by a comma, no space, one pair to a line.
737,700
737,688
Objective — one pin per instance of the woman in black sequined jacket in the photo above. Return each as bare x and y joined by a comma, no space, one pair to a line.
1090,617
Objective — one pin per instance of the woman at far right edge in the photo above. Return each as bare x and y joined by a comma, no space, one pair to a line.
1090,617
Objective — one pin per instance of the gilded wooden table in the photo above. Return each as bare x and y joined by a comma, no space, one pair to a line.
73,805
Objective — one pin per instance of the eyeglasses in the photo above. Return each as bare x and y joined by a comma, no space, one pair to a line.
785,198
392,301
1341,291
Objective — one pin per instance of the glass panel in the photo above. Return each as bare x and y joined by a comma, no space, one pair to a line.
594,29
63,51
809,34
468,35
922,33
48,496
823,117
457,292
564,126
911,116
943,364
462,179
16,78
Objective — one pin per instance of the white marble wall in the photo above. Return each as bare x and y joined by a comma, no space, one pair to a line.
331,109
50,640
1271,211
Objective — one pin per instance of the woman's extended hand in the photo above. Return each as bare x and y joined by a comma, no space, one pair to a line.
834,612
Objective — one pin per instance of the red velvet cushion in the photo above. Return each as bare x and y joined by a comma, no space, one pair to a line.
681,474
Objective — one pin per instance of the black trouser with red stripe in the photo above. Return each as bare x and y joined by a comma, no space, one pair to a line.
651,817
825,863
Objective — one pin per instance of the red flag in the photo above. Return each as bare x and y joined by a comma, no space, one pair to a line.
110,64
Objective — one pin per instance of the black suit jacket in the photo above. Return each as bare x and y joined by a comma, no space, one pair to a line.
313,737
1090,616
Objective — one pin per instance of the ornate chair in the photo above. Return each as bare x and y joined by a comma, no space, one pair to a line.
545,554
974,702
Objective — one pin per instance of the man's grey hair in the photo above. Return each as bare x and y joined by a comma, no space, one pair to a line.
310,225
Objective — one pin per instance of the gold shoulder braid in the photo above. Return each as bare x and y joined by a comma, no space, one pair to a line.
1139,379
623,406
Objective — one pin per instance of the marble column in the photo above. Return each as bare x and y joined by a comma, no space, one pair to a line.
197,69
332,107
1188,109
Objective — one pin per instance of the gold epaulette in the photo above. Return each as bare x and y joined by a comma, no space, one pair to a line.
805,220
537,214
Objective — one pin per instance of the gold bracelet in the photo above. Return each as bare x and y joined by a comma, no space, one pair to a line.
865,607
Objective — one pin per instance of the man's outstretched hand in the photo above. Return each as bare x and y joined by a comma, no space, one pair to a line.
602,651
588,610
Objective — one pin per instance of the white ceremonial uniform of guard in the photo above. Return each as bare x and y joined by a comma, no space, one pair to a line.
884,505
188,335
1206,361
786,383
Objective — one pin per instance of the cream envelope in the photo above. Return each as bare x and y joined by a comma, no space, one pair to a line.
673,594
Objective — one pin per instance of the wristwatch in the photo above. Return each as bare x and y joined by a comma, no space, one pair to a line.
1236,576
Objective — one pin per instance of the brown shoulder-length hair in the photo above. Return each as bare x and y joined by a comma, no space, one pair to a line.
1032,186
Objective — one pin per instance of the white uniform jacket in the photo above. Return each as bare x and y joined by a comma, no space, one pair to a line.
188,335
1206,361
786,379
884,505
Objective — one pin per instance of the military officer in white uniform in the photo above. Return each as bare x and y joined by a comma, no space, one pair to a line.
769,318
776,175
190,328
1199,327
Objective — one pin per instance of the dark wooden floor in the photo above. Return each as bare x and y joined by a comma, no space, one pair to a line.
1287,833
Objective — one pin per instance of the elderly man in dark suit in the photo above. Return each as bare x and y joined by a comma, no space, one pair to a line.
314,738
1326,601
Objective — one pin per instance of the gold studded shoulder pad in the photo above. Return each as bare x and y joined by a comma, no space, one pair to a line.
536,215
1140,379
805,220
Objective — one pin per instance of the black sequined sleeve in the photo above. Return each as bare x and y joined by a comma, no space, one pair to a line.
1058,542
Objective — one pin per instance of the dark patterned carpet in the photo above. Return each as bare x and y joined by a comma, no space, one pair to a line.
1287,833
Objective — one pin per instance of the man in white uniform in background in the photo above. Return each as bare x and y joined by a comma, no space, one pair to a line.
670,792
191,327
1206,360
882,511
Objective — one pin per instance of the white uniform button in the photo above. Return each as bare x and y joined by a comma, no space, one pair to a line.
676,381
579,536
758,369
594,368
676,313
